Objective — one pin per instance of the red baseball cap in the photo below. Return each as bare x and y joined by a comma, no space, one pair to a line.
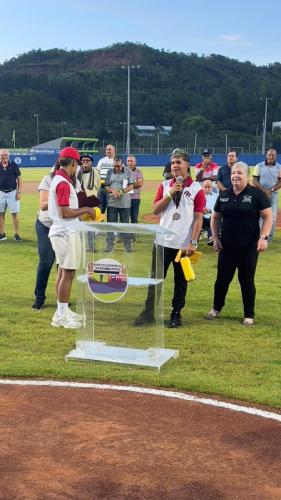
70,152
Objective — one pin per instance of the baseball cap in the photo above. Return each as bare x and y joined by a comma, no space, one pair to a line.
206,152
180,152
70,152
86,156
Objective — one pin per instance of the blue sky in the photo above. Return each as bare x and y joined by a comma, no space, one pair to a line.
242,29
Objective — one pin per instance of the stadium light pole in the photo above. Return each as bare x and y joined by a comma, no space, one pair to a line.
124,128
129,67
195,143
264,123
36,115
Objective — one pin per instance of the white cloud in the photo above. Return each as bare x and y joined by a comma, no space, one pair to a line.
232,38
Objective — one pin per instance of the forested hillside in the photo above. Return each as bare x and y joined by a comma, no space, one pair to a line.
85,93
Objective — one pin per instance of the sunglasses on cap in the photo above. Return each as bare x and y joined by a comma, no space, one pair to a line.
180,152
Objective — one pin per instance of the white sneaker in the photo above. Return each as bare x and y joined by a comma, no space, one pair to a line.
74,315
212,314
65,321
248,322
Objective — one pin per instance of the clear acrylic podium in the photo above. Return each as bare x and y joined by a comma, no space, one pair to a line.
111,289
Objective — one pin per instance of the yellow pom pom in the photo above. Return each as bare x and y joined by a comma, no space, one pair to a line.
86,218
97,212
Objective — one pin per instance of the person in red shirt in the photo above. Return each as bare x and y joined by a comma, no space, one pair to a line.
181,203
63,210
206,169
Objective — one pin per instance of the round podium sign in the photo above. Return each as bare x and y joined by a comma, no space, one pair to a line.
107,279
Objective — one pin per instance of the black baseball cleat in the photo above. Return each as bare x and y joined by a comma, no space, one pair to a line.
175,320
144,318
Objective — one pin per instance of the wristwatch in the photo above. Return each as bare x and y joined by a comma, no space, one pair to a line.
194,243
263,237
272,190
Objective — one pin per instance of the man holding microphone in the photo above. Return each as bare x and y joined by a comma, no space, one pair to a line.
181,203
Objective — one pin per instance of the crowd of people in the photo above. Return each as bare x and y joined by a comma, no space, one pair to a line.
237,216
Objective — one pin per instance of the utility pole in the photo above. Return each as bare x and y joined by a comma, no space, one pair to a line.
264,123
63,124
195,143
36,115
129,67
124,129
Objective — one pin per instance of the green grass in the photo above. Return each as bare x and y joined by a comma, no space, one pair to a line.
36,174
220,358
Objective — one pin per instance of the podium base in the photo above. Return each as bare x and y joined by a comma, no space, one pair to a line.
99,351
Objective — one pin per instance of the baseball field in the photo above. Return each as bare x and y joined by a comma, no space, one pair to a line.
222,358
206,427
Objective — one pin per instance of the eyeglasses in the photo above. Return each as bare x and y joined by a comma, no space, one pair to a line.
85,160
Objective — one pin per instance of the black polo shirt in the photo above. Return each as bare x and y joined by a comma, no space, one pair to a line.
240,216
8,176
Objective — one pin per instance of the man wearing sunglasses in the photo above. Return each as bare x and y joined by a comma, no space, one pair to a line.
90,181
180,202
206,169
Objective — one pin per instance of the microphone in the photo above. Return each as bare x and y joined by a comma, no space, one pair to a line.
177,196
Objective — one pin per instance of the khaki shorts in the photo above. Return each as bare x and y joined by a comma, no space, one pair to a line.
67,248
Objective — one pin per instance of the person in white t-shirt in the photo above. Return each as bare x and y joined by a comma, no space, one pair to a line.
45,250
103,166
211,199
180,202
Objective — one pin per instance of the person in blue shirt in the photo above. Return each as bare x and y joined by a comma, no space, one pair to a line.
10,193
224,173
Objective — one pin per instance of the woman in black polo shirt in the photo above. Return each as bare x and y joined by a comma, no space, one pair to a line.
238,210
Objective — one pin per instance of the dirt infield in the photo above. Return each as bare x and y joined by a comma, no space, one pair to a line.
73,443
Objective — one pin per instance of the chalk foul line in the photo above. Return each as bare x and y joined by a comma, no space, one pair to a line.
143,390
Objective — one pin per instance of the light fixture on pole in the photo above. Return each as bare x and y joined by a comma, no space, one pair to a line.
129,67
36,115
264,123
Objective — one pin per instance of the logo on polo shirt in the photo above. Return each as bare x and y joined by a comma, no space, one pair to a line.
247,198
224,199
188,195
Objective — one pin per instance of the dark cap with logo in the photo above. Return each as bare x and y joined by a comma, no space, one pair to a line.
206,152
